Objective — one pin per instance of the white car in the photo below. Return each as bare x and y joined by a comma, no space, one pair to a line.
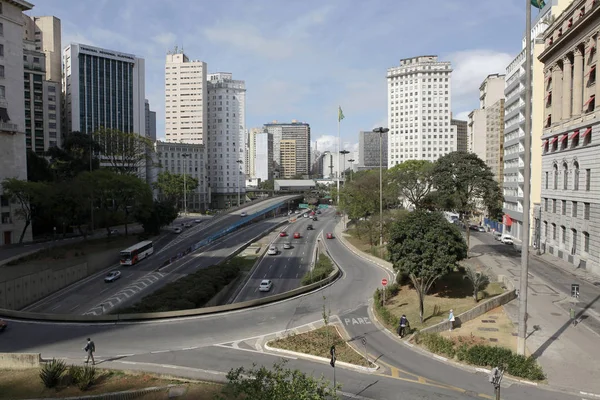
265,285
244,214
112,276
177,230
506,239
287,245
273,251
197,221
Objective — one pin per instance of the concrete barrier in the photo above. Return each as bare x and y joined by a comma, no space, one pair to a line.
20,360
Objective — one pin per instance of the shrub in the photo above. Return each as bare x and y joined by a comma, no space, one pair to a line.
382,312
87,377
51,372
75,373
437,344
322,269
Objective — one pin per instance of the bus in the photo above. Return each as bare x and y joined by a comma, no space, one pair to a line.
135,253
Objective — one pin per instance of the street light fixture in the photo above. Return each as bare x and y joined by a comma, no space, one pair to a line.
351,161
381,131
240,162
185,155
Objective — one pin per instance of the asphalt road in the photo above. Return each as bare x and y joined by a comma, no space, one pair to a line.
192,343
86,295
287,268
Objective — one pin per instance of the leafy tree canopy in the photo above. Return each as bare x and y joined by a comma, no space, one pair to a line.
412,180
171,186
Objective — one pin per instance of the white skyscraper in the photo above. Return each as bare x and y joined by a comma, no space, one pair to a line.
186,113
226,139
419,110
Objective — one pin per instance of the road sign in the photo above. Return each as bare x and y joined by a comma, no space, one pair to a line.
384,282
575,290
303,205
323,206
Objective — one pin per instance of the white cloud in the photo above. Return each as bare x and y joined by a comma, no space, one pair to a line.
329,143
165,38
463,115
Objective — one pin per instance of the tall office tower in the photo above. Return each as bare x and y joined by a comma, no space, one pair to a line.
329,165
103,88
226,139
288,158
252,150
514,125
186,114
247,153
368,150
263,163
494,139
13,160
150,122
462,138
41,59
419,110
298,131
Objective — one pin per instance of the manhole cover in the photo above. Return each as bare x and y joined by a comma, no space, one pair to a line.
556,314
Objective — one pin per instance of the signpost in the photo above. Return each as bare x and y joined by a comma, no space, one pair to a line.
332,363
384,284
364,342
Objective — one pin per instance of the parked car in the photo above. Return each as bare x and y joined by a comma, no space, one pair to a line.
283,234
309,228
329,235
318,211
177,230
273,251
112,276
287,245
473,227
305,215
481,229
188,225
506,239
3,325
113,232
244,214
296,235
265,285
315,218
498,235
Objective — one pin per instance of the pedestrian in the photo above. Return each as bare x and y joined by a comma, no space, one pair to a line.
404,324
90,348
451,319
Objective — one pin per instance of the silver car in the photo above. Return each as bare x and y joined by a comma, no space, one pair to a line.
265,285
112,276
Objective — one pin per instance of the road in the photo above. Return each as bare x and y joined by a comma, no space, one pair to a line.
85,295
212,345
287,268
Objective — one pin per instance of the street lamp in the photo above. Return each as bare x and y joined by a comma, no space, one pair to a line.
351,161
344,152
381,131
185,155
240,162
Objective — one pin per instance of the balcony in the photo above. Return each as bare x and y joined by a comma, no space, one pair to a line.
8,127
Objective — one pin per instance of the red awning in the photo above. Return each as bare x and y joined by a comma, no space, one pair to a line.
563,137
554,139
507,220
544,143
587,103
574,134
587,131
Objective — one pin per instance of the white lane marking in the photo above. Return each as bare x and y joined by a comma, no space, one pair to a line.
104,290
55,307
254,351
160,351
590,394
74,307
129,275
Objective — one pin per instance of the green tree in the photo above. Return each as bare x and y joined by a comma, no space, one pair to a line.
38,168
161,214
424,246
478,280
278,383
171,186
126,152
78,154
28,195
267,185
461,181
133,196
412,180
71,203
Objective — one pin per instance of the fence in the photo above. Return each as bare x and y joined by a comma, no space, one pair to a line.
495,225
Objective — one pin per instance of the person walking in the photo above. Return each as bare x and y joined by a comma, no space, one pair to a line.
90,348
451,319
404,324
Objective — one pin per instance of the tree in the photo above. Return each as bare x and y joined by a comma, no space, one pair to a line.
360,198
462,179
126,152
27,195
478,280
38,168
267,185
161,214
77,155
71,203
424,246
278,383
133,196
171,186
412,180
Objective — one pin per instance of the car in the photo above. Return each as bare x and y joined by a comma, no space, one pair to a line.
296,235
474,227
318,211
112,276
265,285
187,225
506,239
309,228
283,234
481,229
497,235
197,221
305,215
113,232
287,245
3,325
315,219
329,235
273,251
244,214
177,230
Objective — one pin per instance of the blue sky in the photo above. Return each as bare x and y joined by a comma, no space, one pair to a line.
301,59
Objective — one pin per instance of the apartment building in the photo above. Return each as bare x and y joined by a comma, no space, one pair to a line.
494,139
462,136
288,158
263,151
298,131
369,149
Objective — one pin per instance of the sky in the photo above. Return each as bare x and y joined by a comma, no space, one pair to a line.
302,59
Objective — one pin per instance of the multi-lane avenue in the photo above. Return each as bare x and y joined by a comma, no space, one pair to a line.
206,347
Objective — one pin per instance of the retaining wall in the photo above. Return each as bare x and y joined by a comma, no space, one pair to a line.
20,360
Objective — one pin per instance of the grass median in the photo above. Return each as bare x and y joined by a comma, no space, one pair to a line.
322,269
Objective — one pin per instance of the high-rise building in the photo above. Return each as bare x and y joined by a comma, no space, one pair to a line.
252,151
494,139
150,122
103,88
13,161
288,158
570,175
419,110
226,139
263,151
368,150
476,132
46,33
298,131
186,113
514,125
330,165
462,136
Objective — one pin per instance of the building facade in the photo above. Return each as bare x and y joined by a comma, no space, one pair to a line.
368,149
462,137
226,139
419,110
330,165
298,131
150,122
288,158
514,125
188,158
263,151
45,32
494,139
570,207
186,113
252,151
476,132
13,160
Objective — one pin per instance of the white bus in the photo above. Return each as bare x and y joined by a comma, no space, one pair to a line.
135,253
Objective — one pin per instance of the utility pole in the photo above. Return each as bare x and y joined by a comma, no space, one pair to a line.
381,131
526,189
240,162
185,156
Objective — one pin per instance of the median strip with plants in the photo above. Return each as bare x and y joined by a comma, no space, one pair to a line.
322,269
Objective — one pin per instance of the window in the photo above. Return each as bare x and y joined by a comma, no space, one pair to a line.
3,201
6,218
546,204
545,230
554,206
586,242
563,234
563,207
2,92
1,50
1,28
555,176
588,178
586,211
565,176
574,209
553,231
573,241
575,176
547,179
1,71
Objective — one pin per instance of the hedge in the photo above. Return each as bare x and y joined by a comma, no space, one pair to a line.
484,356
322,269
388,318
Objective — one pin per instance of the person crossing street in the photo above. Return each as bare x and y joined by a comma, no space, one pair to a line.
90,348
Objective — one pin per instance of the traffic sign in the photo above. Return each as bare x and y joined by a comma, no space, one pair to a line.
384,282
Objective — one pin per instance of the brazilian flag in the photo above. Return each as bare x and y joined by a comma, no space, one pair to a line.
539,4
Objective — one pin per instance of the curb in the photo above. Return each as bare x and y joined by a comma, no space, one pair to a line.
124,395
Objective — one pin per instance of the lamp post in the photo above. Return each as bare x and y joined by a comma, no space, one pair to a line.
185,155
381,131
351,161
344,152
240,162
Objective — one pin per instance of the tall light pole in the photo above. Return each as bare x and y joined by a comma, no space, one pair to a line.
240,162
526,189
381,131
185,155
343,153
351,161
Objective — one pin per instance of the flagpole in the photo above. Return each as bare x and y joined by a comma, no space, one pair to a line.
338,154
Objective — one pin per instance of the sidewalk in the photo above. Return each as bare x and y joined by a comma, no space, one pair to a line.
567,353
